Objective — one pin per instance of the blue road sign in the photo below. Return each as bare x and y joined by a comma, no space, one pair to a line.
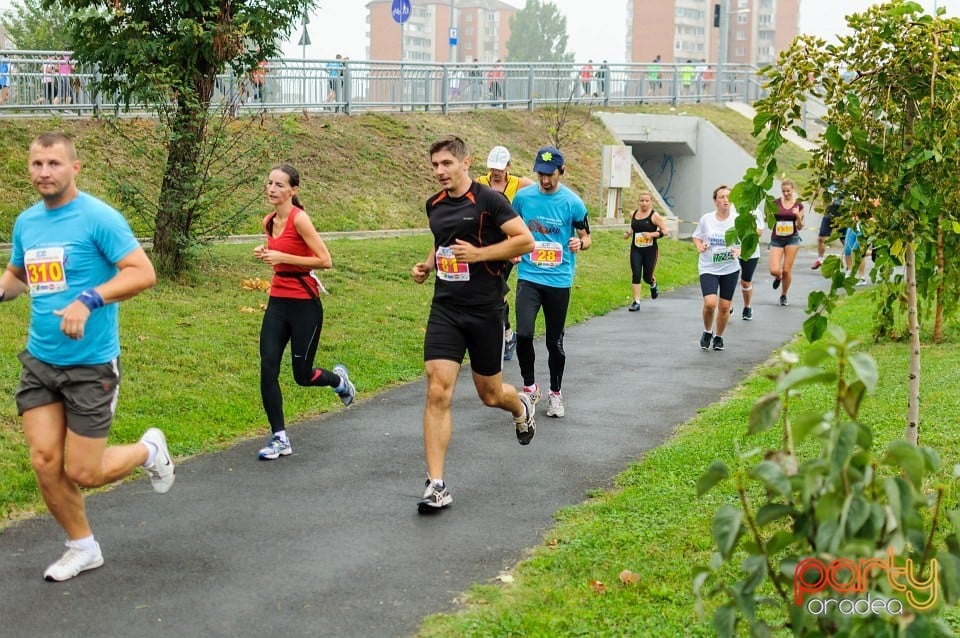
453,36
400,10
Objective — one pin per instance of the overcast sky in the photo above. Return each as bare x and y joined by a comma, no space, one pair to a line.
596,28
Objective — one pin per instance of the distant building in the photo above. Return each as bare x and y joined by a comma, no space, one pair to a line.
680,30
483,29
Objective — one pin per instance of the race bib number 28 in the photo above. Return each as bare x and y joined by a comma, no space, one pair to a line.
45,272
547,254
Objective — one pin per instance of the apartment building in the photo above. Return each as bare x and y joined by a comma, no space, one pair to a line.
483,29
680,30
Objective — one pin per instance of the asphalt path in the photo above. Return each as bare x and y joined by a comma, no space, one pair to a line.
328,542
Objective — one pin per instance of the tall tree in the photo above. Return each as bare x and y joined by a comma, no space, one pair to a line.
167,54
538,33
38,28
893,100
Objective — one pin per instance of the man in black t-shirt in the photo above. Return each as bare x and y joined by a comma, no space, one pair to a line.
475,234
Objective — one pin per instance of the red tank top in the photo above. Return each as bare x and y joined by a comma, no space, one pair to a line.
288,280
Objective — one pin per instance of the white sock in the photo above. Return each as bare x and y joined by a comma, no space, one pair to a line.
151,453
281,434
87,544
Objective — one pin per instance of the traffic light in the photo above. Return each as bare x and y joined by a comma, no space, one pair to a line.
716,15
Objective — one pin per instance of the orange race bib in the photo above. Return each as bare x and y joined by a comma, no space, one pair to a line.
448,268
45,272
547,254
642,242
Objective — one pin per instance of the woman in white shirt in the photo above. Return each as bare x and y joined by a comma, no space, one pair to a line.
719,268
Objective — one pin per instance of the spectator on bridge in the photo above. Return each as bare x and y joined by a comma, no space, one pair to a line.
4,78
65,84
601,77
586,77
496,82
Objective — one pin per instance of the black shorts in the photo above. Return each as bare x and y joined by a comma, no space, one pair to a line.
88,393
710,284
453,331
826,226
747,268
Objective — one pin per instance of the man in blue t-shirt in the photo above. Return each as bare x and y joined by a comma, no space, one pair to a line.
557,218
77,257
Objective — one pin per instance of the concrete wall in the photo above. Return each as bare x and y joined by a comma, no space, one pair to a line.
685,158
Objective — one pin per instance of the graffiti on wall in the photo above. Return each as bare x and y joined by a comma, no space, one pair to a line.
661,171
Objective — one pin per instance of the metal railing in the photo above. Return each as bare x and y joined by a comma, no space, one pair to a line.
43,81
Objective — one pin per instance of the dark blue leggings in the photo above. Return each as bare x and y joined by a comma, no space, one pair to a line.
299,322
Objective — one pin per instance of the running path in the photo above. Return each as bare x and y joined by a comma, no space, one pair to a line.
327,542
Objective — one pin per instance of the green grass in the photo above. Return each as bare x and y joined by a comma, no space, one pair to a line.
653,525
190,350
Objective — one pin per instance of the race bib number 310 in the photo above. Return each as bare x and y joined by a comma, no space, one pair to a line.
448,268
45,272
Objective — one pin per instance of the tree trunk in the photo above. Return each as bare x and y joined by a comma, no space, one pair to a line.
941,285
178,193
913,328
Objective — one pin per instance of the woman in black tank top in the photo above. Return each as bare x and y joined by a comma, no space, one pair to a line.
646,227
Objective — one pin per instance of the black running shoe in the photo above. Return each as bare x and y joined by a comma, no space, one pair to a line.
654,291
776,283
705,340
525,424
635,306
718,343
748,314
783,300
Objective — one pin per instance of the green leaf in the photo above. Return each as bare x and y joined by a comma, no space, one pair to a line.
865,368
814,327
772,512
726,529
949,565
805,375
908,458
772,477
843,446
852,396
779,541
833,138
857,511
804,424
715,473
765,413
724,620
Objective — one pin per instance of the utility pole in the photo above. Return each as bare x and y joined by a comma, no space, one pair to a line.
722,47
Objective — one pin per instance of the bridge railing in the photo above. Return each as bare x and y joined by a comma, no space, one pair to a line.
44,81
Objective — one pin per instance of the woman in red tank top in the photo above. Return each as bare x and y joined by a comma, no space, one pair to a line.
294,311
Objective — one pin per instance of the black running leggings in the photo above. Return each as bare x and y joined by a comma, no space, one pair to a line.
299,322
554,301
643,261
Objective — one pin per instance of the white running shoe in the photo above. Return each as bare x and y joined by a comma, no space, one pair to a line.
349,392
73,562
436,496
555,405
532,391
161,472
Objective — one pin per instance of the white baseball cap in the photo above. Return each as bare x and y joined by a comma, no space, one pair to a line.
498,158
